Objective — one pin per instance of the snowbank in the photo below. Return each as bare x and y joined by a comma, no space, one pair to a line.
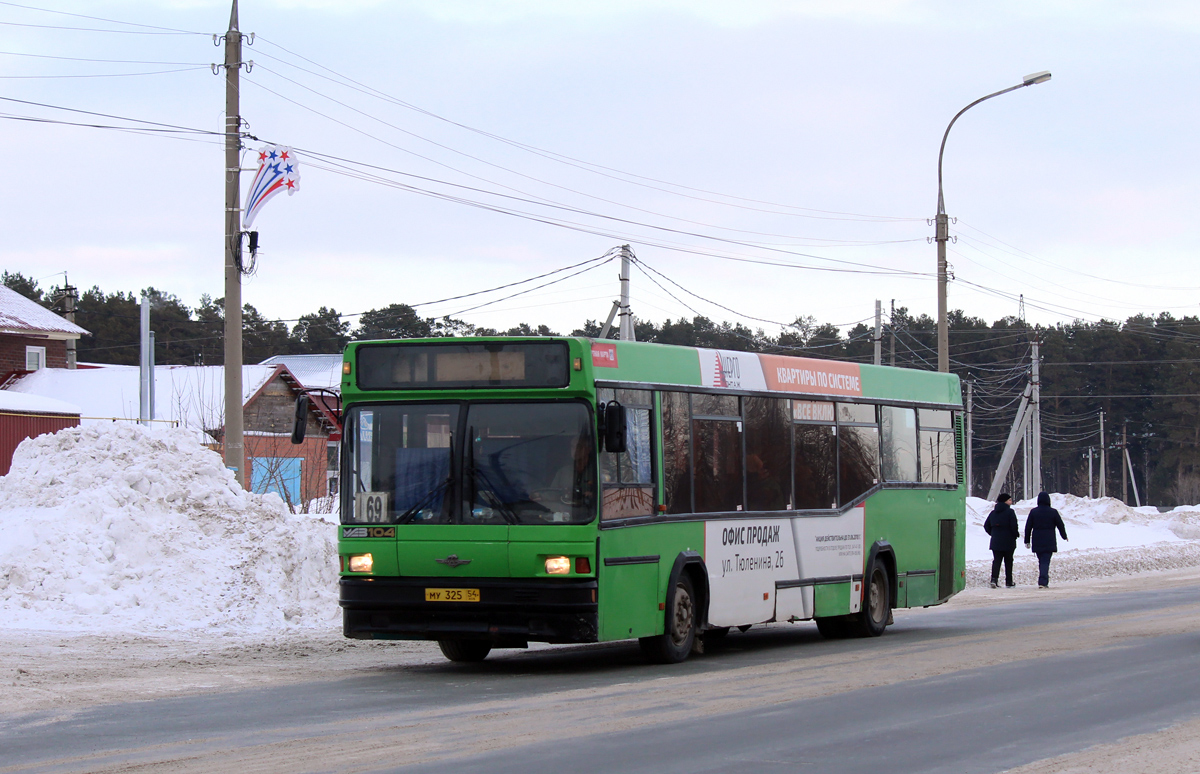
115,527
1107,538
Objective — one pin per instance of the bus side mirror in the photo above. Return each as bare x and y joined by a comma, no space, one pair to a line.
301,423
614,427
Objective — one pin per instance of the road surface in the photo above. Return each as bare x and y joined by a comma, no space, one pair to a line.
968,688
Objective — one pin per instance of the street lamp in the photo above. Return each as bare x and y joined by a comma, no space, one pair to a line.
943,226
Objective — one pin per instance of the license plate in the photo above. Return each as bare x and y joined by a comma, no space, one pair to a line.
451,595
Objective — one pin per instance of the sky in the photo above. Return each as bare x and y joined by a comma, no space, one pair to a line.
765,161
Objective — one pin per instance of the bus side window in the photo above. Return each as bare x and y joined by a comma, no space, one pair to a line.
677,452
717,483
768,456
858,451
899,443
627,479
937,447
814,455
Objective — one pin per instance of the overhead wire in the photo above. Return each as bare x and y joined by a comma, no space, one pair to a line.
586,166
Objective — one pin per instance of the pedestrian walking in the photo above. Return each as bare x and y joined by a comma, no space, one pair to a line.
1002,525
1039,536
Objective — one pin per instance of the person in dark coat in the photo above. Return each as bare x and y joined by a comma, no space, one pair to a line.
1002,525
1039,536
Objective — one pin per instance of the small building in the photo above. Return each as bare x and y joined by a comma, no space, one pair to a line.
31,336
28,416
321,376
194,397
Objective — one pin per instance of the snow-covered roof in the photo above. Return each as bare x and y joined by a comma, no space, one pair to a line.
35,404
21,316
312,370
194,396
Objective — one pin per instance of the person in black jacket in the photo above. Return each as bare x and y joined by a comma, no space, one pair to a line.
1039,529
1001,524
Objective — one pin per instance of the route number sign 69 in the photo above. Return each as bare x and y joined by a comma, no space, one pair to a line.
371,507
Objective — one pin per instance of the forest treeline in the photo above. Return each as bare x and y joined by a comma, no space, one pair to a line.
1141,372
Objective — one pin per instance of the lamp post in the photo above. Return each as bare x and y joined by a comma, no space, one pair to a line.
943,223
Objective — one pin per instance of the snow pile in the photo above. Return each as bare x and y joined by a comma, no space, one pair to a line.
117,527
1107,538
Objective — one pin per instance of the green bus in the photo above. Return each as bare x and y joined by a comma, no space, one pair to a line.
501,491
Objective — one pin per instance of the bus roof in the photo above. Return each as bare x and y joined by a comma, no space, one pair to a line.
636,362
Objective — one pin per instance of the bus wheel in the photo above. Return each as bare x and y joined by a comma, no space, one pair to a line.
674,644
465,650
876,603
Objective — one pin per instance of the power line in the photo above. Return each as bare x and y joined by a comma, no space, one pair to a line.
99,18
583,165
102,75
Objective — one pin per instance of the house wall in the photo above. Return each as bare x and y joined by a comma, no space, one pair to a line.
262,450
12,352
17,426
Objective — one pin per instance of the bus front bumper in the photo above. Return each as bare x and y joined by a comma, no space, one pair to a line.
509,613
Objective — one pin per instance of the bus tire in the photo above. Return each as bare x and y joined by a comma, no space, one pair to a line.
465,650
877,602
679,630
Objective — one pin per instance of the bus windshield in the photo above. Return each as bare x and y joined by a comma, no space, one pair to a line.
524,463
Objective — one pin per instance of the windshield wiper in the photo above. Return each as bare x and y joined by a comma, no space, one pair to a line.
425,500
489,492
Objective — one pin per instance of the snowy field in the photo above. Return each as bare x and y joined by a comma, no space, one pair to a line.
1107,539
116,529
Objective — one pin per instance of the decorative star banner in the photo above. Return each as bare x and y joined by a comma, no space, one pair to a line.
277,171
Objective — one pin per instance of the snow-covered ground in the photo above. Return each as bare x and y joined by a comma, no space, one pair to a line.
118,528
1107,538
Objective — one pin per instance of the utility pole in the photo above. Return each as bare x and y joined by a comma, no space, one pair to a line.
626,326
943,235
1035,429
1020,424
144,361
1103,469
892,328
235,453
1090,495
70,296
1137,499
878,332
1125,454
970,432
1146,466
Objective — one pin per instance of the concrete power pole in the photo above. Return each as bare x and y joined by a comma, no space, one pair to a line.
626,326
970,432
1125,456
1103,468
878,332
1036,425
69,296
235,453
892,330
1090,489
145,364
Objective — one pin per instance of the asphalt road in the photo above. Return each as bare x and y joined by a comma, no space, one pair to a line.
973,690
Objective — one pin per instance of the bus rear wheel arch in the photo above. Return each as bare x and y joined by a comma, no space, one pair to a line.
874,614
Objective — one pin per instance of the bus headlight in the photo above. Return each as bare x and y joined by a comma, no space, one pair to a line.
558,565
361,562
